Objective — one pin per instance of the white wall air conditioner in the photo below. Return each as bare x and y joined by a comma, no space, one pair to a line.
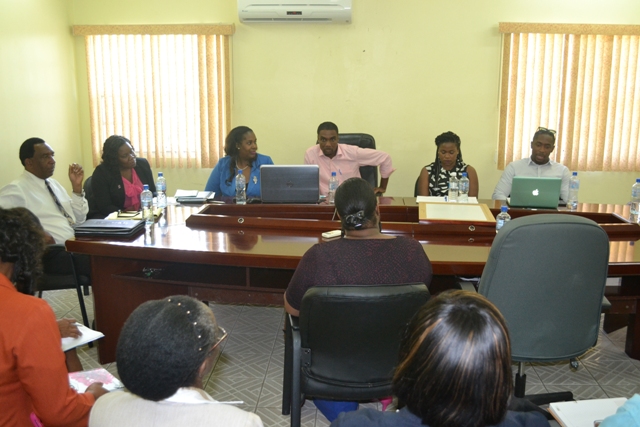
327,11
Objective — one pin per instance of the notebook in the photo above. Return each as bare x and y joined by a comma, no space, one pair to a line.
535,192
290,184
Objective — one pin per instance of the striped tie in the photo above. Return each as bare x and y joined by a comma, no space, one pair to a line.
59,205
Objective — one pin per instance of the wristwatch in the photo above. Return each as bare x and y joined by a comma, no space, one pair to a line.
79,194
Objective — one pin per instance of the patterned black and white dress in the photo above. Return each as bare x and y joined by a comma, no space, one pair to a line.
439,185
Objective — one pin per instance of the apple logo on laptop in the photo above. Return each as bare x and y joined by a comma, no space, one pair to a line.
535,192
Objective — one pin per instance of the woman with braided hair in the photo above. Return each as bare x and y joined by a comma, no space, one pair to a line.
363,256
165,353
434,178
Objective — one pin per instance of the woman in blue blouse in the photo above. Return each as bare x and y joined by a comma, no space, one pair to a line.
241,149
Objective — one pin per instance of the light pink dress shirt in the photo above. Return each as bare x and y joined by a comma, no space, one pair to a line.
346,163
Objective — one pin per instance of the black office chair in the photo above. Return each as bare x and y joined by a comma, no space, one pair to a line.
60,273
546,274
345,344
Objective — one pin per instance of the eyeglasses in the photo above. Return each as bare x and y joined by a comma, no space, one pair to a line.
546,130
224,336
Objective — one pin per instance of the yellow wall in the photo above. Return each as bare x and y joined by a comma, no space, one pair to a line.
37,84
403,71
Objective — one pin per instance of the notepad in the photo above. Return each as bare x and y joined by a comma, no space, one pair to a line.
583,413
83,379
87,336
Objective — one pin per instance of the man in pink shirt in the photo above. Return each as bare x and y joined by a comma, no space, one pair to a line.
345,160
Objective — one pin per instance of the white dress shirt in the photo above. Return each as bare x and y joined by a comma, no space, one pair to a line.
29,191
527,167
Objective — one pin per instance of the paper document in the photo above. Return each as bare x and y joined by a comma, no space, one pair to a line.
455,212
435,199
87,336
83,379
134,215
583,413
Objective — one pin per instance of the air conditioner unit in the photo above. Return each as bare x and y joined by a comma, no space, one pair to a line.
322,11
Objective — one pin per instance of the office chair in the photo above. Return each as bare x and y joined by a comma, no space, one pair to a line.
60,273
345,344
546,274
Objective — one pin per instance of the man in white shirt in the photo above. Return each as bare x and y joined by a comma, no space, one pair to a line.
44,196
538,165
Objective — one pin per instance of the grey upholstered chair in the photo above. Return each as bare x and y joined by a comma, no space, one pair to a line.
546,274
345,344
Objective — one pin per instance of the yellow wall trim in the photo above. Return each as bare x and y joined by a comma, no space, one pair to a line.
200,29
594,29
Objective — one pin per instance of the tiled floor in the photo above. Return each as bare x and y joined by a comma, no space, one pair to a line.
249,369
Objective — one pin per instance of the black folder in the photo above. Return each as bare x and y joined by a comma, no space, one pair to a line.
109,228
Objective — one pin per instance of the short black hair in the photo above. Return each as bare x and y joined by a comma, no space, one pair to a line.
356,204
327,126
22,242
544,132
27,149
110,152
455,362
163,344
231,142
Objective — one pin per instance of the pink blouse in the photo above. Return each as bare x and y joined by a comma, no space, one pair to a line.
132,192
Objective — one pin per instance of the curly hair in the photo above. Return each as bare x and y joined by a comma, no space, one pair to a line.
455,362
443,138
22,242
356,204
231,143
163,344
110,152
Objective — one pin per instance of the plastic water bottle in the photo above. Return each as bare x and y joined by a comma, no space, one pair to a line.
635,198
502,218
463,189
241,189
161,188
574,187
333,186
453,188
146,201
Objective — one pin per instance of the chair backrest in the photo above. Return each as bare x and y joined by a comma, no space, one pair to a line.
546,274
58,270
88,194
353,334
363,140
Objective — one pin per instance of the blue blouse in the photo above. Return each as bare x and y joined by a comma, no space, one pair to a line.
217,179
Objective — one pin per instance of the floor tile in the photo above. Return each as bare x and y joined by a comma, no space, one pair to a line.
580,392
614,372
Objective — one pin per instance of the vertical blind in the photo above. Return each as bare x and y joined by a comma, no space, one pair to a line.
581,80
166,88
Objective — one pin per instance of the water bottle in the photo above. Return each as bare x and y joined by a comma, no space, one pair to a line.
463,189
333,186
453,188
241,189
635,198
161,188
574,186
146,201
502,218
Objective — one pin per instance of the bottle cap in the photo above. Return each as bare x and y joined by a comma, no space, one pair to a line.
145,187
637,179
575,174
160,174
464,174
333,174
504,209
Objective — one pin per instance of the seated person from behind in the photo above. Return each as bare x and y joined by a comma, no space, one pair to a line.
43,195
241,149
538,165
118,181
454,370
362,257
434,178
345,160
33,376
165,351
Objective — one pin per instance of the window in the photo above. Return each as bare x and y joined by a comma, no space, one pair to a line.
581,80
165,87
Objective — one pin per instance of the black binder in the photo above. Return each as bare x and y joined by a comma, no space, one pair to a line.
109,228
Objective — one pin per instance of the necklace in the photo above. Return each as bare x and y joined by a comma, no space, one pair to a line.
239,168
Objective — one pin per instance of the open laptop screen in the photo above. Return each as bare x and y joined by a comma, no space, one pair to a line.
535,192
290,184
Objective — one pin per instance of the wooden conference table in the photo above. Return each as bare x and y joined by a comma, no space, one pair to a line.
247,254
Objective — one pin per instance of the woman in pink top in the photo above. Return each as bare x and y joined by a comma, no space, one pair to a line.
117,182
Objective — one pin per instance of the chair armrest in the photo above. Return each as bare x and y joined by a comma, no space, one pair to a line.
466,286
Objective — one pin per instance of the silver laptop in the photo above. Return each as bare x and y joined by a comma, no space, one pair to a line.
535,192
290,184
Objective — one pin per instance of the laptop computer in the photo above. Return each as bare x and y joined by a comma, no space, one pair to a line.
535,192
290,184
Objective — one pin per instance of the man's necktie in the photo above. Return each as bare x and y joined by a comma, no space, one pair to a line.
59,205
